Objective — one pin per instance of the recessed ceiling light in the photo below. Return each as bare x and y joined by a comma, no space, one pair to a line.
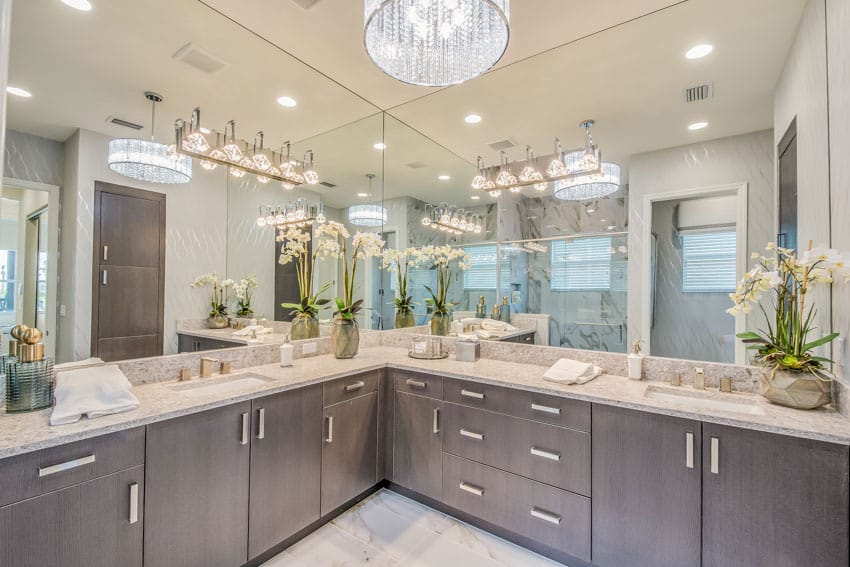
697,126
19,92
364,195
379,146
286,101
444,177
82,5
699,51
475,197
472,119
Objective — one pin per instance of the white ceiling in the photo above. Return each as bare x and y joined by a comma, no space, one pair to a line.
83,67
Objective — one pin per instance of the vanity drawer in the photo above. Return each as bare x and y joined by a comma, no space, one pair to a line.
350,387
556,410
39,472
418,383
555,518
475,394
546,453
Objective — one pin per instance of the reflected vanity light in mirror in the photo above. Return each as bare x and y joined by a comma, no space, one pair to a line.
18,91
299,213
367,215
699,51
81,5
451,219
697,126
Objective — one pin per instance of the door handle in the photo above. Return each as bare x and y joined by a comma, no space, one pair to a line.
105,253
542,514
134,503
416,384
715,455
470,394
66,466
105,277
689,450
546,409
545,454
354,387
471,488
472,434
330,437
245,429
436,420
261,426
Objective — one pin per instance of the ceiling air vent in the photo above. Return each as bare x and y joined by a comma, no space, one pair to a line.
505,144
121,122
699,92
327,184
415,165
199,58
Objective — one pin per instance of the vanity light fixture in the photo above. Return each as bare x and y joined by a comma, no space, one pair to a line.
18,91
81,5
214,148
436,43
472,119
697,126
297,213
148,160
451,219
699,51
367,215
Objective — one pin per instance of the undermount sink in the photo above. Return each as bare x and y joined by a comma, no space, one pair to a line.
705,400
221,384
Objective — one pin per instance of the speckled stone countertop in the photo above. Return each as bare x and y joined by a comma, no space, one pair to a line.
23,433
227,335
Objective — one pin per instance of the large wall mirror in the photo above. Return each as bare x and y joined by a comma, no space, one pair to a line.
716,155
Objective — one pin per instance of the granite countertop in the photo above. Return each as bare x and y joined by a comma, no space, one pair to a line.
227,335
22,433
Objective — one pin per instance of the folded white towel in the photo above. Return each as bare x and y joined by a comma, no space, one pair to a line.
491,325
96,391
569,371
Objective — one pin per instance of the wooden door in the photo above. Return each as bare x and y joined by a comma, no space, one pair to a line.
773,501
350,450
286,466
417,445
128,278
197,489
645,490
86,525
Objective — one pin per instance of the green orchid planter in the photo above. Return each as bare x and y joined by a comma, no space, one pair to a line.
218,322
798,390
440,324
345,338
404,319
304,326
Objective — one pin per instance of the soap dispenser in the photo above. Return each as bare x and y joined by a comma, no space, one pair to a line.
635,361
505,310
481,310
286,350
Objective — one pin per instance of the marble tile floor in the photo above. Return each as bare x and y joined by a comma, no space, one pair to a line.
388,530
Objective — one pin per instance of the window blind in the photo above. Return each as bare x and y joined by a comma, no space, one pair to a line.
581,264
709,262
481,274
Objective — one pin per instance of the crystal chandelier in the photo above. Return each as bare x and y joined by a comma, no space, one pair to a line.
148,160
299,213
448,218
215,148
435,43
590,186
367,215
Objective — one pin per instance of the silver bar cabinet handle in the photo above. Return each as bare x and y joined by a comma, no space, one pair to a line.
134,503
66,466
354,387
470,394
106,252
416,384
105,277
541,514
436,420
715,455
261,427
471,488
545,454
546,409
689,450
245,429
330,437
472,434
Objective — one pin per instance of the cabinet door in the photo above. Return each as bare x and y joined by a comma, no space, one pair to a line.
94,524
350,450
645,490
197,489
417,446
773,501
286,464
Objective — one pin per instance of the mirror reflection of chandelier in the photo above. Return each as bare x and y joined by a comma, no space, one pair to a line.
370,214
576,175
299,213
436,43
451,219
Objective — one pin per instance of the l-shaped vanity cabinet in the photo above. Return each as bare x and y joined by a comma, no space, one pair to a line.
584,483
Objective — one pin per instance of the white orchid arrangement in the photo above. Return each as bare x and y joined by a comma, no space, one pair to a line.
441,258
398,262
296,248
332,238
218,296
243,290
785,343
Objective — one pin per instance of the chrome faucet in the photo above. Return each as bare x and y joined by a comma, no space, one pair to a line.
207,366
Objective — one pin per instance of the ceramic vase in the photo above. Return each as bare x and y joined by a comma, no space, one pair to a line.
218,322
440,324
345,338
304,326
404,318
799,390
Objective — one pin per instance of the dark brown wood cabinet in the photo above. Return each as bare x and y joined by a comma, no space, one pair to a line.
92,524
773,501
192,343
286,458
350,449
646,489
417,444
197,489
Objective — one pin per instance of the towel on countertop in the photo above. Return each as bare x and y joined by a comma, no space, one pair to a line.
492,325
96,391
569,371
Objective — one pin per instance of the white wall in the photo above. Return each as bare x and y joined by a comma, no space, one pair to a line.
746,158
196,236
5,33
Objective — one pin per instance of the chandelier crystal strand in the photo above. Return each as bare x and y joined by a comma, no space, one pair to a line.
436,42
590,186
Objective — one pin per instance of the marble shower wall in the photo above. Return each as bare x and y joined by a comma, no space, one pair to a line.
33,158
